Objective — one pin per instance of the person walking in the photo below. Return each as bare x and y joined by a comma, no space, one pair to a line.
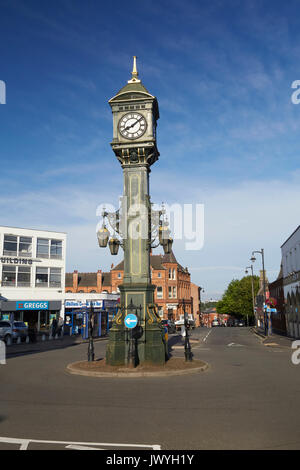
54,327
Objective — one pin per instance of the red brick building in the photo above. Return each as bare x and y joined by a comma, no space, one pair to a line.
172,281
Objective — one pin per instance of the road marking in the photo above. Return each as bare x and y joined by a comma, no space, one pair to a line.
207,336
73,447
24,443
235,344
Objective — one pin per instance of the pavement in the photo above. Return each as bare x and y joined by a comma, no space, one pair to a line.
274,340
247,399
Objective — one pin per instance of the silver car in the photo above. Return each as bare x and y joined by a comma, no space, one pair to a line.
12,331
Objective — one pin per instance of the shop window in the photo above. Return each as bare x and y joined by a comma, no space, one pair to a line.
159,292
9,275
41,278
24,276
10,245
56,249
161,312
42,250
55,277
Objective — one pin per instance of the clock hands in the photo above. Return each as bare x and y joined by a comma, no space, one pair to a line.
132,125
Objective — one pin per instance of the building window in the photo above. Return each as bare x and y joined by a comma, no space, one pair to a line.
9,274
55,277
159,274
174,292
25,246
16,276
10,245
159,292
119,275
24,276
17,246
41,277
170,273
56,249
42,248
170,292
174,274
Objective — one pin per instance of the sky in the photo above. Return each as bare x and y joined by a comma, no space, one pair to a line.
228,133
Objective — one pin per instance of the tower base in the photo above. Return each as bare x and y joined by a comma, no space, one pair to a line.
145,342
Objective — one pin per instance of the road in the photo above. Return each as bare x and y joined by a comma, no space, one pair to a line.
247,399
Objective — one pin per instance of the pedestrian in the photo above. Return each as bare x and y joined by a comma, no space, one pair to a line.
54,327
60,325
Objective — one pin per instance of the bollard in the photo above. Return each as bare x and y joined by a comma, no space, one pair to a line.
50,337
44,337
56,336
19,340
8,341
27,339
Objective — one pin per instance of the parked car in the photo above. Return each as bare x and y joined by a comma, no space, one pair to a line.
241,323
12,331
179,323
170,325
6,332
20,329
215,323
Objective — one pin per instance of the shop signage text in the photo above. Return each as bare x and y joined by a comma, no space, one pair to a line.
41,305
79,304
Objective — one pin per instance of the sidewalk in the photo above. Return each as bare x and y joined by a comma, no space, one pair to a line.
274,340
47,345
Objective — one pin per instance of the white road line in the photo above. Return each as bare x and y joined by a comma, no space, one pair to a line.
207,336
24,443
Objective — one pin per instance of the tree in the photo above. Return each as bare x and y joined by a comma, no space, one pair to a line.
237,299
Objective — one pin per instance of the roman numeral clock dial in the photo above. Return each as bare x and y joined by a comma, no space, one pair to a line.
132,126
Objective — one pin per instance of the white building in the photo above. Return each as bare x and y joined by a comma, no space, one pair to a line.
32,275
290,252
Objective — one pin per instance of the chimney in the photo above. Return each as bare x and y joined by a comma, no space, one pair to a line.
99,280
75,280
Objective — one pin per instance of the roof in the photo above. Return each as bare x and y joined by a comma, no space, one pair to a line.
290,236
156,262
88,279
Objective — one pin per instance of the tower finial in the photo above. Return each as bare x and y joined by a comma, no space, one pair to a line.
134,73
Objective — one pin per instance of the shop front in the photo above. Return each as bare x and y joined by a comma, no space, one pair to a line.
36,314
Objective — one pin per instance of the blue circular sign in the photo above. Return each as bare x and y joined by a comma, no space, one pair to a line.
131,320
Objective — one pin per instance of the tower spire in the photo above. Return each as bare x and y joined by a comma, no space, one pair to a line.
134,73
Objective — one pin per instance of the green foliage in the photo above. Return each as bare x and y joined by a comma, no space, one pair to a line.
237,299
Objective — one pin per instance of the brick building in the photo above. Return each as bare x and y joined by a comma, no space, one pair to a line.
172,281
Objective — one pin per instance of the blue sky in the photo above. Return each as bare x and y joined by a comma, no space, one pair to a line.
228,132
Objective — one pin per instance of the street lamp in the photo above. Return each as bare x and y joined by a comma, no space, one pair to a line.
91,324
252,286
253,259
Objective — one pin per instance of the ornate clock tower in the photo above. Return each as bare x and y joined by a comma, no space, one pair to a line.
135,114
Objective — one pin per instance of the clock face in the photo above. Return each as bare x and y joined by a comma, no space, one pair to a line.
132,125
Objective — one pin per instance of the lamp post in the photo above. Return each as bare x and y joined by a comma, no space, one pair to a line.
187,346
261,252
252,286
91,324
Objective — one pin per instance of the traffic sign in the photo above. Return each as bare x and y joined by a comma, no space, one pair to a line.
131,320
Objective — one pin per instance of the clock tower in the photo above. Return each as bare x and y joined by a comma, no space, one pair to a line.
135,114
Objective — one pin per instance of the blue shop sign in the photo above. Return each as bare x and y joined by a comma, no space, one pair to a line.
36,305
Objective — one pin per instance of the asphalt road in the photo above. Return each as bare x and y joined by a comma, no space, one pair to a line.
247,399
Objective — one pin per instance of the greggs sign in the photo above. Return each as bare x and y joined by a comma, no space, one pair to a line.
32,305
